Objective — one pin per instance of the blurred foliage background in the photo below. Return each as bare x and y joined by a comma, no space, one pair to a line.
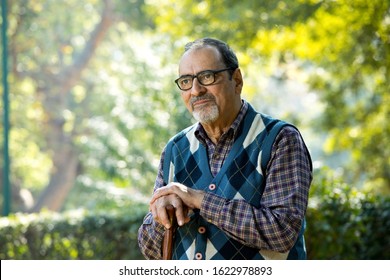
93,102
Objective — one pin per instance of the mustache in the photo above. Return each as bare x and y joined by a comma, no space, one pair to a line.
203,97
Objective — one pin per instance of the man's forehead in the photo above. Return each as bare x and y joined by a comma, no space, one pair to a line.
205,56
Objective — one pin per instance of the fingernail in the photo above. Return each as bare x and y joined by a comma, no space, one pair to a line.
180,223
167,226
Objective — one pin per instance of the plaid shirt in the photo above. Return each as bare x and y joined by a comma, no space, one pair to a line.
275,226
218,153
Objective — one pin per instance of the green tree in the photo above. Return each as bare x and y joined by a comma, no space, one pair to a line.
71,78
345,47
92,98
44,51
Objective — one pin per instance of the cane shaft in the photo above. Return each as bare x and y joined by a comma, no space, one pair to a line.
167,246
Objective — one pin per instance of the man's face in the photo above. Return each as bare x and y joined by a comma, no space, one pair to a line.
212,103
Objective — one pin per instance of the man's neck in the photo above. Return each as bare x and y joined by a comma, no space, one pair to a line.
216,129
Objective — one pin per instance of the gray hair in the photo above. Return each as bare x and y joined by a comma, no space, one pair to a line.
229,58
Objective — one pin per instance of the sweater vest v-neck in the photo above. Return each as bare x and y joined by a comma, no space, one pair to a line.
241,177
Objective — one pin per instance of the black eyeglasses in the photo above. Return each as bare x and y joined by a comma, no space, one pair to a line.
205,78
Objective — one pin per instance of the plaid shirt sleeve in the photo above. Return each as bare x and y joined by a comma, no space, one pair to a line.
276,224
150,234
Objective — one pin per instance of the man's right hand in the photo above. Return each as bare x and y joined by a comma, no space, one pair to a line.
159,208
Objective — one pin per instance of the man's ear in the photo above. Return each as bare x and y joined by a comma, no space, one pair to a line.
237,77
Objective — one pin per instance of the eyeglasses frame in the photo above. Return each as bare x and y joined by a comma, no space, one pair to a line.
201,72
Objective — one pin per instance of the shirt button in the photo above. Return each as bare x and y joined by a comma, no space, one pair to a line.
212,187
198,256
201,230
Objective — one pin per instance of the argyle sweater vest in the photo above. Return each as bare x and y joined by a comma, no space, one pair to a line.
241,177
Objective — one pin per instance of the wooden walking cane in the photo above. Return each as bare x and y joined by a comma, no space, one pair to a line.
167,245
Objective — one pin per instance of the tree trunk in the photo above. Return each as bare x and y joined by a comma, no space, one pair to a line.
61,181
54,96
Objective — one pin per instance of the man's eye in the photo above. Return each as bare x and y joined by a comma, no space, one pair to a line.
185,81
206,77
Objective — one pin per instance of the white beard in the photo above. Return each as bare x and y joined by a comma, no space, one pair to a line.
206,114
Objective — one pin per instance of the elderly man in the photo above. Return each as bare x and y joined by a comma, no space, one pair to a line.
238,180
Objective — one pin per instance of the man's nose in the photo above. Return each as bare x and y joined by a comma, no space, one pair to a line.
197,88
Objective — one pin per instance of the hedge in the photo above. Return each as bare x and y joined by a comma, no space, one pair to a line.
342,227
70,236
345,222
341,224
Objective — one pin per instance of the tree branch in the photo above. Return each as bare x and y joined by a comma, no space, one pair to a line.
71,74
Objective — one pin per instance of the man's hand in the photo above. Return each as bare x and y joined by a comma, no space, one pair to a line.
178,196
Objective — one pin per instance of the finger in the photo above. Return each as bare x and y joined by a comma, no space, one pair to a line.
163,217
163,191
171,188
187,217
154,211
179,212
159,212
